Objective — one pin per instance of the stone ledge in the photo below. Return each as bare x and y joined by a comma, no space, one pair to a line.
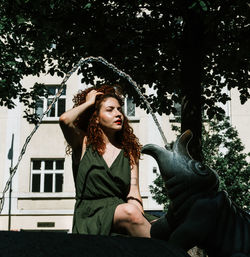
48,244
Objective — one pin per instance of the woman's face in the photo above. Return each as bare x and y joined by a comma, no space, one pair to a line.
110,114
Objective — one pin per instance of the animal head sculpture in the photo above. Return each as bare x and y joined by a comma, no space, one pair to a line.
185,179
198,214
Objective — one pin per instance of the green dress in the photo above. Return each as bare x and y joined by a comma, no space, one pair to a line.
99,190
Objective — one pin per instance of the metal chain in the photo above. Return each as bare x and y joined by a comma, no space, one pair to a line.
67,76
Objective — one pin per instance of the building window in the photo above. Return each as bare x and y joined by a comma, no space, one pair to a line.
177,106
57,109
47,175
129,107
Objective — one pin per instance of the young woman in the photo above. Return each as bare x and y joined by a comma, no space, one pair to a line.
105,155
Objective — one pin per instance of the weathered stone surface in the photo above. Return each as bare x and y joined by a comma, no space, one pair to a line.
199,214
41,244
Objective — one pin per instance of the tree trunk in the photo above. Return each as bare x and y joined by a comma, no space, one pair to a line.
191,91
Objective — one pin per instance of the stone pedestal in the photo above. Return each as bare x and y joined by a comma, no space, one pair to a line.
48,244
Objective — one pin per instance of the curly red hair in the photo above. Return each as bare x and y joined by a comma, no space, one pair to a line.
87,122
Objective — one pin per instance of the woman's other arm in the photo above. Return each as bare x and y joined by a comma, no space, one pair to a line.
134,196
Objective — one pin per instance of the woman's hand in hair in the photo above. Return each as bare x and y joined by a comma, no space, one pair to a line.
91,96
73,135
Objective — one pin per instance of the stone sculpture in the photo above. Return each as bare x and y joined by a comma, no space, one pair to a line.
198,215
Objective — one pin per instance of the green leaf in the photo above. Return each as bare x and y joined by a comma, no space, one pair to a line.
11,63
192,6
20,19
87,6
203,6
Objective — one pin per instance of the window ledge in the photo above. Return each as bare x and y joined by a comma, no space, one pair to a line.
32,195
175,119
133,119
48,121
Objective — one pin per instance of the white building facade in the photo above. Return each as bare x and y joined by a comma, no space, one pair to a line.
43,193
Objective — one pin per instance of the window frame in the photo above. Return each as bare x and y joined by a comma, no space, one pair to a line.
42,171
45,104
177,116
125,109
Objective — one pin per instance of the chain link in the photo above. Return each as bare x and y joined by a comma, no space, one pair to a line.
67,76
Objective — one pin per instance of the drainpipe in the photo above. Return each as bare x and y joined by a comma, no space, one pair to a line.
10,157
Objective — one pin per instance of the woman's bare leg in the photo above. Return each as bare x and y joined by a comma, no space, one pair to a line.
129,217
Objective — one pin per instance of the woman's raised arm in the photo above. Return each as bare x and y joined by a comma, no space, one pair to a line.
73,135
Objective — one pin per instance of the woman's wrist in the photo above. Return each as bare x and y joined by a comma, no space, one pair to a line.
89,103
135,199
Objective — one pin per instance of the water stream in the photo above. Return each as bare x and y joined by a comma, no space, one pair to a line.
67,76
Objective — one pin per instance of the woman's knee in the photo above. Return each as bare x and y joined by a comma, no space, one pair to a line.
131,214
